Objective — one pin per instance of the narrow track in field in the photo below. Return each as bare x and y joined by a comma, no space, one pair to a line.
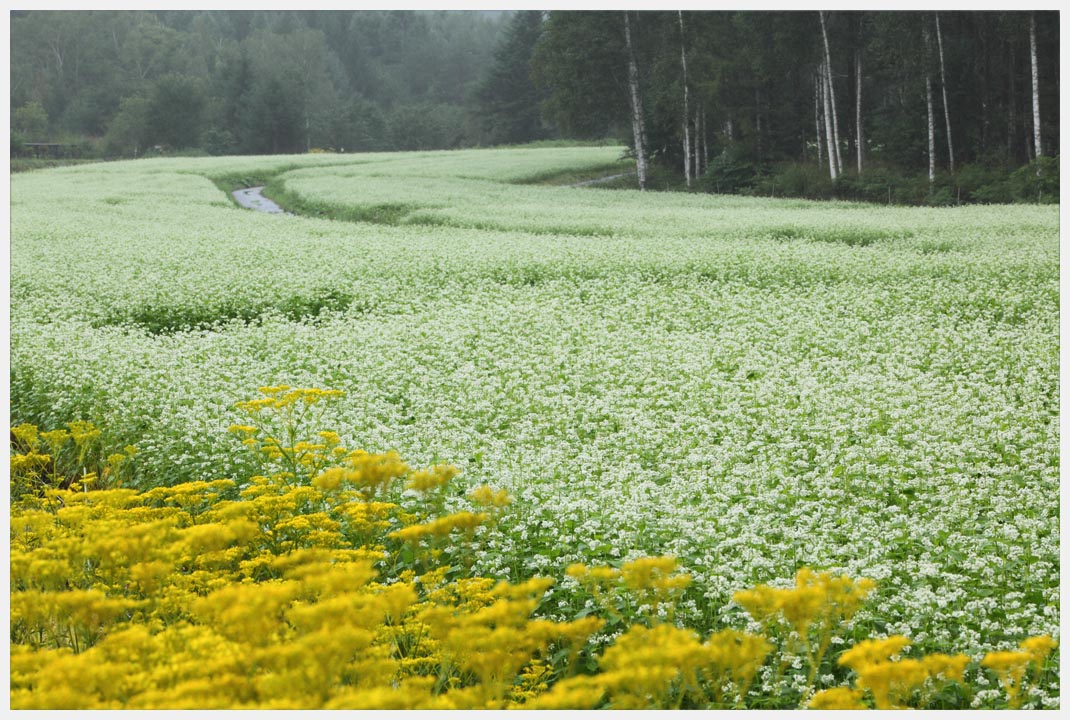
253,199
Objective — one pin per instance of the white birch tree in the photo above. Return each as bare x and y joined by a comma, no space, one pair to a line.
1038,148
638,125
687,114
943,89
834,148
859,135
929,106
830,140
818,86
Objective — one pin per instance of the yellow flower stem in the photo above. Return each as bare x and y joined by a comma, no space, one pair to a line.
815,662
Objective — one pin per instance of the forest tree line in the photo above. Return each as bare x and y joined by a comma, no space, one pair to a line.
249,82
903,106
922,104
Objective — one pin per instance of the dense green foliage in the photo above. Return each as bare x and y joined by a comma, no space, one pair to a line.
248,81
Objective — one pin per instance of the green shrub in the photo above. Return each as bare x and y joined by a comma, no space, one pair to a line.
728,172
1036,182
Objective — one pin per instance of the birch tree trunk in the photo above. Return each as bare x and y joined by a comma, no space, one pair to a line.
638,126
932,134
943,89
818,85
929,107
1036,84
687,114
834,171
835,147
858,108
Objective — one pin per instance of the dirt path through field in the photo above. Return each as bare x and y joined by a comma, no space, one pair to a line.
596,181
252,199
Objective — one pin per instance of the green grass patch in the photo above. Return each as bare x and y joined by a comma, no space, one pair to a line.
20,165
572,177
850,236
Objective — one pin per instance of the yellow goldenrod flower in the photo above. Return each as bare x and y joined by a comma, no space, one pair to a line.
1010,667
411,534
870,652
55,439
488,497
83,432
28,436
892,683
949,668
1038,648
579,693
839,698
331,438
28,461
329,479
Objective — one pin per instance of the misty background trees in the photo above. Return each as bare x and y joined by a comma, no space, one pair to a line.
895,106
253,81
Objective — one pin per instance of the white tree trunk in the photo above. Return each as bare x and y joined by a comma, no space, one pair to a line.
859,136
638,126
687,114
835,147
819,85
932,133
1036,84
943,89
830,142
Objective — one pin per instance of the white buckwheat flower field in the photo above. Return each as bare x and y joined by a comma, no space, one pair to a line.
750,386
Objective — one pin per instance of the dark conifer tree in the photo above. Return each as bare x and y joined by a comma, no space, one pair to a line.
507,101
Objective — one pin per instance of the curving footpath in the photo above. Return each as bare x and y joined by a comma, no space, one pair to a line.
252,199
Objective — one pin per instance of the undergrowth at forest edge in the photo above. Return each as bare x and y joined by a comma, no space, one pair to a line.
320,583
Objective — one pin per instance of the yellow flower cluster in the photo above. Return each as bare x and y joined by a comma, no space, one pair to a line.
817,605
432,478
206,595
1012,666
441,527
324,590
489,498
903,683
368,473
278,418
654,582
73,459
664,666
